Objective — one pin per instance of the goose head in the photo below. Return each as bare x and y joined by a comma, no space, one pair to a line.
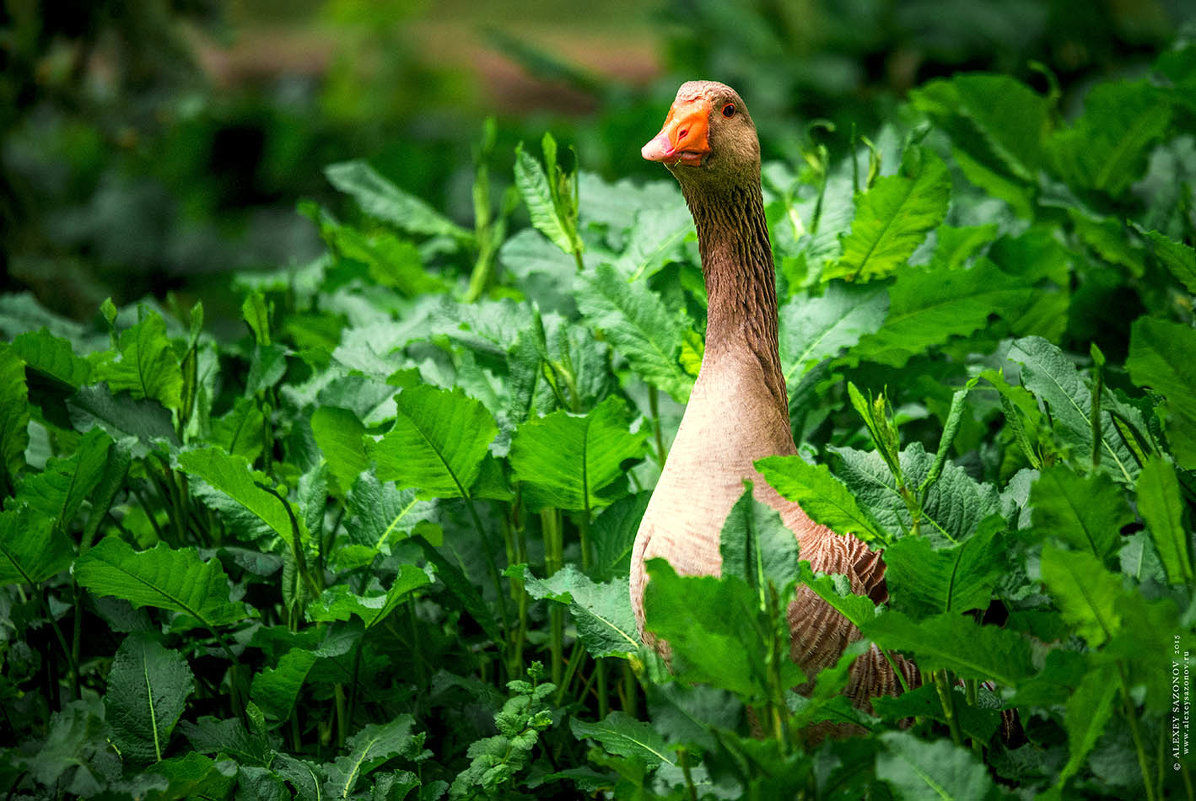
708,137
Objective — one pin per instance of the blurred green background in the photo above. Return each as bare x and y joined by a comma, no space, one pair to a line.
155,146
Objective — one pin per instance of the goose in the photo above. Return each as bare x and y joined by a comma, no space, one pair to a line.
738,411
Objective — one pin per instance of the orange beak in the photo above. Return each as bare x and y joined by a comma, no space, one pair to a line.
684,137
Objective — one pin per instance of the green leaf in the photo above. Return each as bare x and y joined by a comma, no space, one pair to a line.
756,547
239,431
59,490
1106,149
918,770
256,313
601,611
276,689
928,308
121,416
31,549
1050,375
953,507
815,328
233,476
384,201
925,581
148,367
542,206
54,356
1086,513
835,589
1085,592
955,642
1163,357
821,495
639,326
372,747
622,735
339,601
613,535
391,260
148,687
14,414
1162,507
340,435
162,577
714,629
383,515
437,444
893,217
1011,120
1177,257
1088,711
566,460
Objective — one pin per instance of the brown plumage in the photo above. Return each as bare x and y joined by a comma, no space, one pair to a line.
738,411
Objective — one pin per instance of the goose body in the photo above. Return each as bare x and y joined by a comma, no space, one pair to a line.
738,411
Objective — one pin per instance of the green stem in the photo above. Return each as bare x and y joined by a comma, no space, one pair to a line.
683,761
942,683
603,698
654,410
550,523
1127,705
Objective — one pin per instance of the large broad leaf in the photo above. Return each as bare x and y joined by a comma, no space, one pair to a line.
925,581
121,415
714,629
919,770
1086,513
340,434
276,689
339,601
566,460
622,735
1106,149
391,260
437,444
148,367
59,490
953,507
14,414
148,687
233,477
53,356
814,328
821,495
1086,592
383,515
893,217
929,307
756,547
1177,257
370,749
1162,506
997,128
955,642
31,548
639,326
384,201
1163,357
165,578
1050,375
601,612
1088,712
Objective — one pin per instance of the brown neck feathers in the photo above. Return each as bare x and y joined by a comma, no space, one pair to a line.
740,279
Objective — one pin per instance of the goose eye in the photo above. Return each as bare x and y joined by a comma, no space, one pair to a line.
729,110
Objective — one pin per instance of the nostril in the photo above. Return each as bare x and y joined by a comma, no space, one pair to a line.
683,132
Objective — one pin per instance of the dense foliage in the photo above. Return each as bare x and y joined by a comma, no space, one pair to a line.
378,547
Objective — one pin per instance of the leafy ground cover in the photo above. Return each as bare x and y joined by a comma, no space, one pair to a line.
377,547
